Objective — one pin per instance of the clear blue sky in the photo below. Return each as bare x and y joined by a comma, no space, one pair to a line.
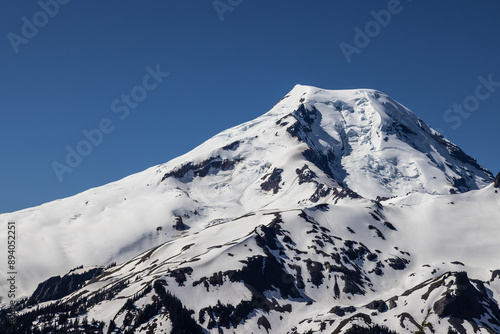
81,58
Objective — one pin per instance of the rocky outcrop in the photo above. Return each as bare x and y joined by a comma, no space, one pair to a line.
497,181
378,305
57,287
179,224
465,301
273,181
202,169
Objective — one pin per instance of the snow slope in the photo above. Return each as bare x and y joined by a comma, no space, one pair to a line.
347,196
327,266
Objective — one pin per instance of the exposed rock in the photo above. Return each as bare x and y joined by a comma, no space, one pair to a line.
378,305
397,263
390,226
264,323
464,301
320,160
282,122
392,303
261,274
354,250
181,319
342,311
460,184
458,154
353,279
304,119
180,274
179,224
378,269
201,169
377,231
305,174
233,146
307,115
406,316
497,181
57,287
273,181
458,263
266,235
221,315
336,289
322,207
316,271
296,129
298,276
495,274
373,329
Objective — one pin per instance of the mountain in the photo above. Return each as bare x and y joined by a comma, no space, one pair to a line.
336,211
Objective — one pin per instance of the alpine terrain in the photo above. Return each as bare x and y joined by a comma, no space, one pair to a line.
334,212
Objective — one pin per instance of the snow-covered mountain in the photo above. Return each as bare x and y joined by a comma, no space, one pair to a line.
334,211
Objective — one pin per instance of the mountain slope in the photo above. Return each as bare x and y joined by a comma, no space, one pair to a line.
330,201
328,266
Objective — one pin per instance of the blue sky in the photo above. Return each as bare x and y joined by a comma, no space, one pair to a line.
100,67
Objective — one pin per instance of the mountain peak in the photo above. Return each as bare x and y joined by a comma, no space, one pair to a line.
377,147
359,139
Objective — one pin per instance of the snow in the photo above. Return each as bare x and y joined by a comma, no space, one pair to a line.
380,150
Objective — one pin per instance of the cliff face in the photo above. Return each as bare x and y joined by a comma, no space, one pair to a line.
57,287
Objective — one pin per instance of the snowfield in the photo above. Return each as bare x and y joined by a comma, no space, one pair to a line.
335,209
